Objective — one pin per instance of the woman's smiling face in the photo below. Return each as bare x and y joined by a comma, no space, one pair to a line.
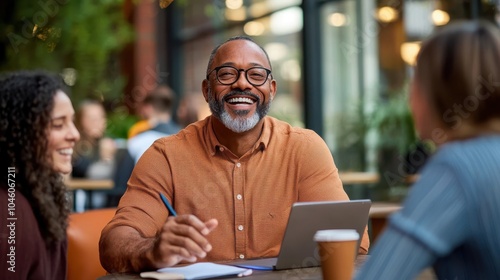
62,134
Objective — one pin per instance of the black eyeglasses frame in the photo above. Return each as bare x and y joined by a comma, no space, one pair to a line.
216,69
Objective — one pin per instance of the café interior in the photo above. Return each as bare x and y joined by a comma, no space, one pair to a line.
342,69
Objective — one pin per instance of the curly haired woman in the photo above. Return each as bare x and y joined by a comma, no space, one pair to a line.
37,136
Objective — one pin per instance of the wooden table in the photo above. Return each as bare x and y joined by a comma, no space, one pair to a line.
311,273
88,186
348,178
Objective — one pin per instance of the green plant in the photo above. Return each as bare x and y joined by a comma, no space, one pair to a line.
119,122
350,130
82,39
393,122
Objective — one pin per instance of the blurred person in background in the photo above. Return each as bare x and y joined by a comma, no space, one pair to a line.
37,137
159,105
150,112
192,108
94,156
141,125
450,217
145,111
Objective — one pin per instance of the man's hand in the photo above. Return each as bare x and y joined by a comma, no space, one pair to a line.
182,238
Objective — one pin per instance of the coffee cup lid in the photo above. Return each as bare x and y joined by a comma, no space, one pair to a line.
336,235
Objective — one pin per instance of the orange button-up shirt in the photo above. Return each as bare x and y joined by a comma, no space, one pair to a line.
251,196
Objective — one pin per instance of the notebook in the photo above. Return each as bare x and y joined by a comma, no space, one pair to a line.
298,248
202,270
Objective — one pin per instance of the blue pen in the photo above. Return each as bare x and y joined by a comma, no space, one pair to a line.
169,207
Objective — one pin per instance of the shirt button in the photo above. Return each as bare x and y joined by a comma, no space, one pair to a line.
242,256
221,149
238,164
239,196
240,227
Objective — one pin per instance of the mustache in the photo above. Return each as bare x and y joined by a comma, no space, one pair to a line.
241,93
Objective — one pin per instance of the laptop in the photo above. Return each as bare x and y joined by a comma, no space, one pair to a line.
298,249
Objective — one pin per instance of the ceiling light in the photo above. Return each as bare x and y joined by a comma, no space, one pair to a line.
337,19
440,17
287,21
236,15
409,52
254,28
234,4
387,14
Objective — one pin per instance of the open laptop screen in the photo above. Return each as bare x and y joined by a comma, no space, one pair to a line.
298,248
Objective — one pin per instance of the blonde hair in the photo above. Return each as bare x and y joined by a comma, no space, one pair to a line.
458,70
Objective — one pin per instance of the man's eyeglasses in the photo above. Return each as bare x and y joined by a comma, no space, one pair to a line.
228,75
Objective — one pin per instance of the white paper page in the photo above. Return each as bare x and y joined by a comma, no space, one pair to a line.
203,270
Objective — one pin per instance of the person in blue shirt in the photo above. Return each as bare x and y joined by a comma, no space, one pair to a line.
159,105
450,218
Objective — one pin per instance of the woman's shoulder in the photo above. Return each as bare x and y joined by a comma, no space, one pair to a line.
17,205
19,214
474,161
477,147
20,238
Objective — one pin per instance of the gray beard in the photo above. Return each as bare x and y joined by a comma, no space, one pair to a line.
241,122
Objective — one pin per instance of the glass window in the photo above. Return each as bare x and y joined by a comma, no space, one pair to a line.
275,25
350,76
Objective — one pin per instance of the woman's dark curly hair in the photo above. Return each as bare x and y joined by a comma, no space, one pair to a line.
26,103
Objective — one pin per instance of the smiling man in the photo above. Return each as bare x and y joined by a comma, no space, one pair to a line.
232,177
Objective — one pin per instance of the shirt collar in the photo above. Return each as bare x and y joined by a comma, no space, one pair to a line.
213,143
